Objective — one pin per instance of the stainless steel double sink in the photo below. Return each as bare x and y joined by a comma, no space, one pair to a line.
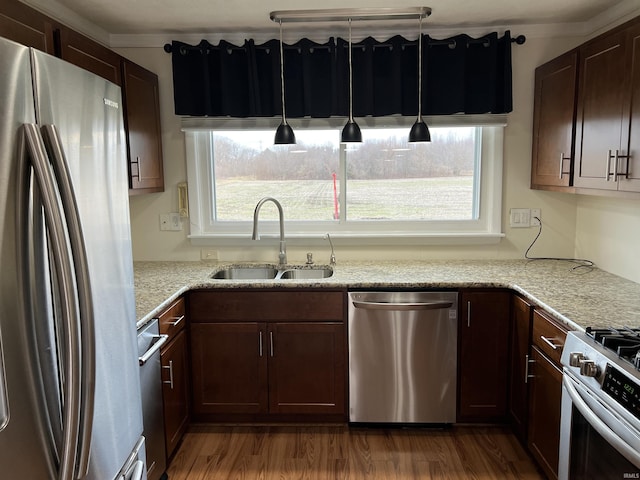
272,272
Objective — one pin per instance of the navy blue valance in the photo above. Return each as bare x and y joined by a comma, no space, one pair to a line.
460,75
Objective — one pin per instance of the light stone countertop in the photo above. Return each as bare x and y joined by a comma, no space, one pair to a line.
578,298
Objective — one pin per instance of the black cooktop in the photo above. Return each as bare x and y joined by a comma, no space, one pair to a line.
625,342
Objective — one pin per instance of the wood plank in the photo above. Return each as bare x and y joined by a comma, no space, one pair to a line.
323,452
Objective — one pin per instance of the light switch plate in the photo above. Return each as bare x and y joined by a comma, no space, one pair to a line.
520,217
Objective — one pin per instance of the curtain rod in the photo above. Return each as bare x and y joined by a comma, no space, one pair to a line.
344,14
519,40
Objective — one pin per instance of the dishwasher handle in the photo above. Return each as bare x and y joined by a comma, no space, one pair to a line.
401,305
159,341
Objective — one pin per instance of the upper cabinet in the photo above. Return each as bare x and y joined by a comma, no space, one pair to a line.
602,79
606,131
23,24
554,122
142,122
85,53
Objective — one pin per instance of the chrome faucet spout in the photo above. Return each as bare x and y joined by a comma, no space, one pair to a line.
332,259
282,256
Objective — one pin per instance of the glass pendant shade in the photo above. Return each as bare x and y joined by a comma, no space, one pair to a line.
284,135
351,132
419,132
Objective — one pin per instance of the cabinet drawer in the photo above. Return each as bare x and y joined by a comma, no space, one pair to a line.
173,319
266,305
548,336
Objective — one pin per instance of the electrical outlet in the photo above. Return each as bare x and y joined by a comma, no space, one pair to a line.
208,254
170,222
536,217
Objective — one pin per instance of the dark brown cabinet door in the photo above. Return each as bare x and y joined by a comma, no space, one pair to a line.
229,368
175,390
306,368
632,183
518,362
602,105
85,53
23,24
554,122
544,412
483,332
142,122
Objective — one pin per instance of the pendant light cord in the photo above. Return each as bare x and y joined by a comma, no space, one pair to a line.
350,76
284,118
420,71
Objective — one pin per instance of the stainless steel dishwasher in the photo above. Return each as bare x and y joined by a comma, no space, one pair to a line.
402,357
149,342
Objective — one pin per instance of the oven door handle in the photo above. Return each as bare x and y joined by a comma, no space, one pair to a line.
602,428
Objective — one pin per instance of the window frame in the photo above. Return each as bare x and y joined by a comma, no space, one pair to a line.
485,230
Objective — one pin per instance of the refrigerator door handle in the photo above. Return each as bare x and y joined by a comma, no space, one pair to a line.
78,250
62,261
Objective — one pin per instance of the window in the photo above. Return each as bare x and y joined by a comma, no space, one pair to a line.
376,190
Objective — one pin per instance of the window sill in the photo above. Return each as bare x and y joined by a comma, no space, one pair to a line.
457,238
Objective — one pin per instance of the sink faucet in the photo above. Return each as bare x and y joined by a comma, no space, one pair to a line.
332,259
282,256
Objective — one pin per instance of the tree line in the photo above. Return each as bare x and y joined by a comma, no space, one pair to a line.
392,157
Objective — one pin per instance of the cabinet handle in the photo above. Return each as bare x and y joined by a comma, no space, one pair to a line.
616,164
562,159
469,314
176,320
271,342
526,369
550,342
170,368
260,344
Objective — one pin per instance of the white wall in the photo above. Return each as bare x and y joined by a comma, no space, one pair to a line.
608,232
558,210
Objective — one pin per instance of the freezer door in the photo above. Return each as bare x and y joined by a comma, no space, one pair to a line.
87,112
29,424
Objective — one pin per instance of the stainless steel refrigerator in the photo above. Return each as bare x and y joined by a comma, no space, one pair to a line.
69,382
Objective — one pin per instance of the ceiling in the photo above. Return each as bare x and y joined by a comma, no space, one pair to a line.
175,17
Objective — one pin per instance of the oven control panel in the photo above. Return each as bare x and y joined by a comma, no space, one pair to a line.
621,388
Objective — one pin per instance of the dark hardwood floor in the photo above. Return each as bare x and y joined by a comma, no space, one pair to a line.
318,452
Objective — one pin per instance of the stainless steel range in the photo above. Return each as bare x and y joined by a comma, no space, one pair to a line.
600,426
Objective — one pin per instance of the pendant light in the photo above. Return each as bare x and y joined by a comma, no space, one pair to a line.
351,131
419,131
284,133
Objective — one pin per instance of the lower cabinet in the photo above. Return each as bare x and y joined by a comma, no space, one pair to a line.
175,390
229,369
307,371
277,368
545,394
519,361
544,413
483,334
174,358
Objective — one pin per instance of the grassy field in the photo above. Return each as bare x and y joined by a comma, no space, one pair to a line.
445,198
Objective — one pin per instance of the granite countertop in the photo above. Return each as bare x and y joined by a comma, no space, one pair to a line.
579,298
